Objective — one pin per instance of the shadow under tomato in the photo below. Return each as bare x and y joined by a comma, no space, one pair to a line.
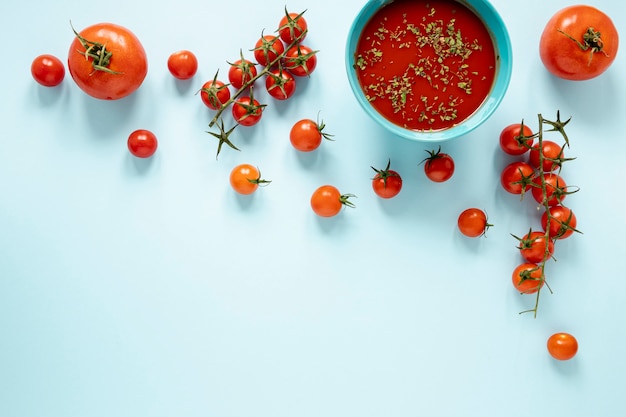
140,166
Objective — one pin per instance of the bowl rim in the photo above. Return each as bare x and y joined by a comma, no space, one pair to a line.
504,65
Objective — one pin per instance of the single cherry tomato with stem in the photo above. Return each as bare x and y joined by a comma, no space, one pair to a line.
578,43
528,278
472,222
553,156
327,201
47,70
562,346
107,61
292,27
214,93
562,222
535,246
267,49
306,135
517,177
387,183
555,189
300,60
247,111
142,143
516,139
241,72
182,64
245,179
438,166
280,84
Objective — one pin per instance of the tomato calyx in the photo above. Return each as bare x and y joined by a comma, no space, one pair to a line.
258,180
528,275
100,56
300,60
279,81
213,91
292,25
252,107
384,174
223,136
344,199
592,40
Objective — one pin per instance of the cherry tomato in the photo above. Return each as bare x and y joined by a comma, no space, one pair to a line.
292,27
536,247
472,222
438,167
552,155
562,346
280,84
517,177
267,49
516,139
245,179
306,135
247,111
107,61
241,72
214,94
182,64
578,43
300,60
47,70
386,183
142,143
528,278
327,201
556,189
562,222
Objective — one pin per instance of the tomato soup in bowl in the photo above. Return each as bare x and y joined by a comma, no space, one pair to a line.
429,70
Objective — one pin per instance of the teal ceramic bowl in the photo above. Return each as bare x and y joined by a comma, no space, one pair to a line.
502,47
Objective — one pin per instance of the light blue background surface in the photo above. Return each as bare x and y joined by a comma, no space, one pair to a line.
148,288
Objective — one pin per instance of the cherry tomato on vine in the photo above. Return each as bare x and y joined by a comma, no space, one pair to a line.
241,72
280,84
562,222
245,179
142,143
387,183
536,247
291,27
562,346
556,189
47,70
472,222
327,201
517,177
267,49
516,139
306,135
183,65
528,278
552,155
300,60
214,94
578,43
438,166
107,61
247,111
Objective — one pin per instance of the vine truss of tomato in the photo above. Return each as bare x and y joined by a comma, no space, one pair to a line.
540,175
282,58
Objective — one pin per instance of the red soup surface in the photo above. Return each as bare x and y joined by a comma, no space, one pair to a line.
425,65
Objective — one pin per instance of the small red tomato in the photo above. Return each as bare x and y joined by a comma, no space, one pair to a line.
327,201
48,70
516,139
562,222
142,143
182,64
517,177
245,179
306,135
528,278
280,84
472,222
536,247
292,27
438,167
300,60
556,189
267,49
247,111
552,155
562,346
387,183
214,94
241,73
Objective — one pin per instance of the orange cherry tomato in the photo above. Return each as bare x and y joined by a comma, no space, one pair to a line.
562,346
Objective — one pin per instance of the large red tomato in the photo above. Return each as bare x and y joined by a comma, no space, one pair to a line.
578,43
107,61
